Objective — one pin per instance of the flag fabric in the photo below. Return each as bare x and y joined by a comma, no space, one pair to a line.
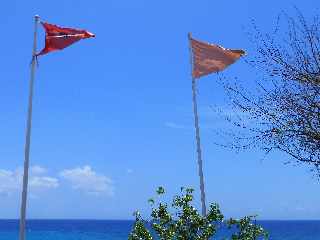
58,38
211,58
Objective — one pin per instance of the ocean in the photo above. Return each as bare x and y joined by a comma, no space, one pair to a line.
119,229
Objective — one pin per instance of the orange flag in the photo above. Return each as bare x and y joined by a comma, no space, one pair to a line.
211,58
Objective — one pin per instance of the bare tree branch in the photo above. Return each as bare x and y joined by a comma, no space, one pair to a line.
284,113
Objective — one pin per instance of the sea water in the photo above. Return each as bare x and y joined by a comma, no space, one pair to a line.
119,229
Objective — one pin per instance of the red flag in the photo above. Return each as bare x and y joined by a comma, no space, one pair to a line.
58,38
210,58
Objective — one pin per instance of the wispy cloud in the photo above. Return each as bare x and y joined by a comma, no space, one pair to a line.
88,181
211,117
129,171
44,182
36,169
174,125
11,181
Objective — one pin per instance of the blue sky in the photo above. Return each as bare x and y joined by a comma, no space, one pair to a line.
113,115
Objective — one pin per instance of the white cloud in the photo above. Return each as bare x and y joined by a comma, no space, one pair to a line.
87,180
174,125
37,170
43,182
129,171
11,181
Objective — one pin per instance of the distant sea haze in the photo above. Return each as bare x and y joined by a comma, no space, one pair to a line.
119,229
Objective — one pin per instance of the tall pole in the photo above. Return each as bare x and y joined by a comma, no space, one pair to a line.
22,235
196,125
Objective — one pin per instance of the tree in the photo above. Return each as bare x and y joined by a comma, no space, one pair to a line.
284,113
188,224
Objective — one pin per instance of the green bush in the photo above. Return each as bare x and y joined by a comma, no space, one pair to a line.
188,224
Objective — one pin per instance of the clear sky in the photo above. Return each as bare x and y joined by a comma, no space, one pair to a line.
113,115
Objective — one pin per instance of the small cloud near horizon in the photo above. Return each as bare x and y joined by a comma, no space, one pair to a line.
36,169
44,182
11,180
88,181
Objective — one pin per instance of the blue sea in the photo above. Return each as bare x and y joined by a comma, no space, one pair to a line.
119,230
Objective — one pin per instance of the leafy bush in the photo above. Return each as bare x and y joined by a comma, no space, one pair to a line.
188,224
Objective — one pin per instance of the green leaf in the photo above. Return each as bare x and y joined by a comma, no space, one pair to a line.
151,201
160,190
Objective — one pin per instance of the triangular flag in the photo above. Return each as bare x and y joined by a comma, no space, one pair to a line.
210,58
58,38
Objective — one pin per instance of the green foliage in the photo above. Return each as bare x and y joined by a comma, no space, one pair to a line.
188,224
246,230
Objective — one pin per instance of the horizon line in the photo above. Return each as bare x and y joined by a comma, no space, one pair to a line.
103,219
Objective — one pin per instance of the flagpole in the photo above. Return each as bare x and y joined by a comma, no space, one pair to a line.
196,124
28,136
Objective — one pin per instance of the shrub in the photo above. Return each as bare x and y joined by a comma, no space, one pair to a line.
187,224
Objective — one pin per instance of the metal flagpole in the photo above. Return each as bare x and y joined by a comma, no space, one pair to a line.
196,124
28,135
